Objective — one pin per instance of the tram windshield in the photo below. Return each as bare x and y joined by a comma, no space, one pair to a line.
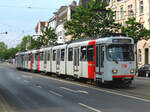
120,52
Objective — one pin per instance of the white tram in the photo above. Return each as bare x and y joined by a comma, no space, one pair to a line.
105,59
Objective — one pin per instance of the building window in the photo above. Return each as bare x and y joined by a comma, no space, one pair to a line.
121,13
141,7
140,55
115,14
70,54
83,56
130,11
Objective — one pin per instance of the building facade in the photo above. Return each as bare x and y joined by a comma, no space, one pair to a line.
140,9
38,29
62,15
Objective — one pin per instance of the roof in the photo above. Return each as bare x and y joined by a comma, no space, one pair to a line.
41,24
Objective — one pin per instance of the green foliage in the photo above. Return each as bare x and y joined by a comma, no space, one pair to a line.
47,38
7,53
135,30
3,50
93,20
11,53
23,44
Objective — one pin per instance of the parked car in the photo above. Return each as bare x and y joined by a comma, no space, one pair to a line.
144,70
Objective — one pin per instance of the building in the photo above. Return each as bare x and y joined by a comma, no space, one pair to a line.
38,29
119,8
143,52
63,14
84,2
52,22
140,9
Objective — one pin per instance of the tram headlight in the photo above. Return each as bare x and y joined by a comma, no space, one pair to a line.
132,71
114,71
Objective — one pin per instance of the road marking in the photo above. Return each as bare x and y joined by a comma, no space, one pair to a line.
80,91
74,91
91,87
18,78
55,93
133,97
37,85
91,108
25,76
26,81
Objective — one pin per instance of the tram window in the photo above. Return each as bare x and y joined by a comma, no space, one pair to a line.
45,57
62,54
41,56
97,58
102,56
32,58
54,55
70,54
29,56
36,56
48,55
83,56
90,53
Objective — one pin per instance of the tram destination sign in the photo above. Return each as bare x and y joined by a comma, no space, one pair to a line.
121,41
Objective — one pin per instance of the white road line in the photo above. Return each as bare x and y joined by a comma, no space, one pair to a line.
75,91
26,81
55,93
103,90
81,91
69,89
133,97
25,76
38,86
88,107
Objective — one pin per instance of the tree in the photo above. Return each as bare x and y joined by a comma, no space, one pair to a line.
23,44
11,52
3,49
93,20
47,38
136,31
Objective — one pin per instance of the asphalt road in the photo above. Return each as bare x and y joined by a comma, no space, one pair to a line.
28,92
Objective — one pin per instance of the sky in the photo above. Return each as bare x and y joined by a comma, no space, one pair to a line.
19,17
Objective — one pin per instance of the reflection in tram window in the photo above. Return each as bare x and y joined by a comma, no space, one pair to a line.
90,53
120,53
70,54
54,55
83,56
62,54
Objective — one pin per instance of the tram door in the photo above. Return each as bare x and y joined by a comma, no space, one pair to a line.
76,62
99,59
58,61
